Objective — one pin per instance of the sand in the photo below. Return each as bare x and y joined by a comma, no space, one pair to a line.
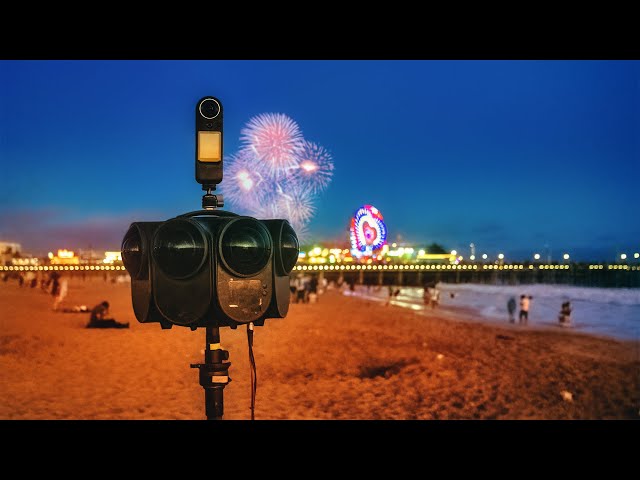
342,358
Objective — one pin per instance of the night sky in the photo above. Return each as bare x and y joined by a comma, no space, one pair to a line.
515,156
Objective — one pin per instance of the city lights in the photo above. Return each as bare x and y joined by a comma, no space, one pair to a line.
323,257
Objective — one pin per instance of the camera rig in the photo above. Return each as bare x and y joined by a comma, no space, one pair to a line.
211,268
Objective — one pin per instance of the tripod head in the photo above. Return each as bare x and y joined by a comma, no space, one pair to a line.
211,201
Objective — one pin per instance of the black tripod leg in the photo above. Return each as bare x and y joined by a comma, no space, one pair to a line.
214,374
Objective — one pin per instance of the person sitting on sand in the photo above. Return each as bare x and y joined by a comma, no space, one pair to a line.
97,319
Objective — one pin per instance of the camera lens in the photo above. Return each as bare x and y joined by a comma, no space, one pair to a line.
245,246
179,248
209,108
132,251
289,248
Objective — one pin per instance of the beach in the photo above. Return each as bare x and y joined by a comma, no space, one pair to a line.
342,358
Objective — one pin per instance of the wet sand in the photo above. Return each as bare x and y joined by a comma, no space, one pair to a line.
341,358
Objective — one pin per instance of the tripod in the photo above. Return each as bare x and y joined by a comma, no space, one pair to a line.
214,374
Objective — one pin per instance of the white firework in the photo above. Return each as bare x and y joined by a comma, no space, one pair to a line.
276,140
314,169
296,205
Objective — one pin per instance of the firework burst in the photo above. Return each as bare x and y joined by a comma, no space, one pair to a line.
296,205
275,139
314,169
277,173
246,183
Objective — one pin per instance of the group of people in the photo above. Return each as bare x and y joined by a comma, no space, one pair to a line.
431,295
523,315
53,283
564,317
304,289
57,285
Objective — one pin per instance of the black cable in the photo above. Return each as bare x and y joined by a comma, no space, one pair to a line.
254,375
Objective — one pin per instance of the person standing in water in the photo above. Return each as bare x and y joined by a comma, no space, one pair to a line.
511,308
524,309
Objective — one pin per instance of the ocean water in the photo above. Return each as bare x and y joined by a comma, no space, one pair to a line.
612,312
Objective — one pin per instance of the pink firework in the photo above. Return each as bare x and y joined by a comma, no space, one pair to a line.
314,169
244,181
276,140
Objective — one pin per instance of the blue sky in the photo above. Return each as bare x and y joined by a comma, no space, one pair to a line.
509,155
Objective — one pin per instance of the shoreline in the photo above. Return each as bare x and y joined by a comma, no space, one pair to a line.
474,313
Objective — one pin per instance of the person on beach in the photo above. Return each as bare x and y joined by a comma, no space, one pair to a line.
97,320
300,289
511,308
565,314
435,297
391,292
524,309
312,289
30,279
426,294
53,284
62,293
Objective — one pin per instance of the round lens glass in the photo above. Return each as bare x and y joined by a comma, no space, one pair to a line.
179,248
209,109
289,248
245,245
131,250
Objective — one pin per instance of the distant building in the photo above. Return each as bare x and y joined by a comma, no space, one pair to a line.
90,256
112,257
8,250
64,257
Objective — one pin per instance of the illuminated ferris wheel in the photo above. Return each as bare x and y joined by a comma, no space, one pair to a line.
368,232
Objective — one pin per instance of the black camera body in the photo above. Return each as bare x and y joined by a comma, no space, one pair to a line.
210,269
209,141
